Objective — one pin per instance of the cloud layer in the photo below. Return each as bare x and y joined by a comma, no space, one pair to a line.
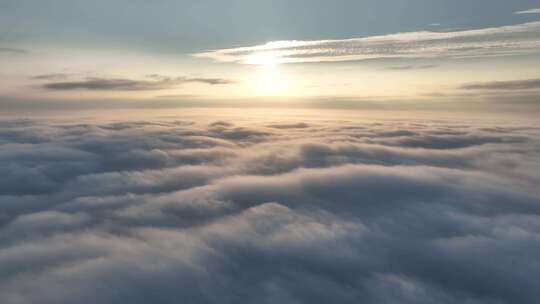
222,210
497,41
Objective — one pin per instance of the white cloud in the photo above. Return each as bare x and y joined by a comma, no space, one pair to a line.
497,41
531,11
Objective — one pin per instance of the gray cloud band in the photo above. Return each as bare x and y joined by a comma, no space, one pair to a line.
8,50
156,82
514,85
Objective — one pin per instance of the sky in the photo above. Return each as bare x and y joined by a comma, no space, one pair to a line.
405,54
272,152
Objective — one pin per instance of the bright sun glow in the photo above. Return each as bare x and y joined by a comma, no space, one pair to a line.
265,58
272,81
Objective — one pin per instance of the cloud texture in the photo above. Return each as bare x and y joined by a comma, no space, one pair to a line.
497,41
276,211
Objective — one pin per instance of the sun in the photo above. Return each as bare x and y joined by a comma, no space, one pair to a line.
272,81
270,77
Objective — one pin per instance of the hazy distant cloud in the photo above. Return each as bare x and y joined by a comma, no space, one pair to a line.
530,11
52,76
505,40
154,82
117,84
411,67
178,96
300,125
7,50
527,84
212,81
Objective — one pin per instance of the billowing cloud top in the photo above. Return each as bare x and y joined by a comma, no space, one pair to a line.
497,41
310,210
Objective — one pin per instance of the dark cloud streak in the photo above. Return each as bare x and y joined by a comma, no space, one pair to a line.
513,85
51,76
156,82
7,50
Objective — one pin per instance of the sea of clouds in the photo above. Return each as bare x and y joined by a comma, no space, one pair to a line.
296,210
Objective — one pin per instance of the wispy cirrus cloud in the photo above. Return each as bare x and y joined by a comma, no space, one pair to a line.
530,11
151,83
496,41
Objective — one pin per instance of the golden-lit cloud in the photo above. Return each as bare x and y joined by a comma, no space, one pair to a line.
487,42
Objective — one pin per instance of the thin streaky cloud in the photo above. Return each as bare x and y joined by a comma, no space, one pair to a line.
526,84
487,42
178,96
51,76
9,50
531,11
154,82
411,67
